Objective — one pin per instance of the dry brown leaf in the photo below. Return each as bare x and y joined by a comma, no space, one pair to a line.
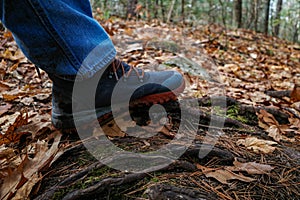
10,97
26,188
223,175
295,123
4,86
295,95
257,145
4,109
110,129
36,125
6,152
27,170
296,105
276,134
250,167
268,122
8,35
12,122
267,118
16,56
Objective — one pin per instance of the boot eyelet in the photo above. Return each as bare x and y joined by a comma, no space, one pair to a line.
141,78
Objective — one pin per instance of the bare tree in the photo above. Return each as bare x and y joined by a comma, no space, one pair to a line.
156,9
182,10
238,12
171,10
267,13
296,32
162,7
277,17
131,8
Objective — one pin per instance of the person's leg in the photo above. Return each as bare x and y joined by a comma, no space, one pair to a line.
61,37
57,35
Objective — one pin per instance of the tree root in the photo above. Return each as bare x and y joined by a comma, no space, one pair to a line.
164,191
279,94
102,185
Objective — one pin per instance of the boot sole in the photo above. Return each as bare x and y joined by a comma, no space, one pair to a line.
104,115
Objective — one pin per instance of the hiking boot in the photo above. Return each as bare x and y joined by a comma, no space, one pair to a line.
146,88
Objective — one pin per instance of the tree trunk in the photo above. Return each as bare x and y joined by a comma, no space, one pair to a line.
267,13
156,9
256,14
171,10
211,14
277,18
182,10
162,7
131,6
238,12
296,33
105,4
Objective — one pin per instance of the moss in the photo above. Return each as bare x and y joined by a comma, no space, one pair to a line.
233,113
85,158
219,111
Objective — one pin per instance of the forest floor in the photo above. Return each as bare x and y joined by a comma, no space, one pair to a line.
254,151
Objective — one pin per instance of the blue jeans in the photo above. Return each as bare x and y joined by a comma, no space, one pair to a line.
57,35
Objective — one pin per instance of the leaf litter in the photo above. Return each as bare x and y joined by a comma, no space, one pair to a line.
211,58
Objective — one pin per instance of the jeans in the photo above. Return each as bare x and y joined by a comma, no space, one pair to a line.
58,35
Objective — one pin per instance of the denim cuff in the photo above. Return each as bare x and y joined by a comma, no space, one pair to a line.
98,59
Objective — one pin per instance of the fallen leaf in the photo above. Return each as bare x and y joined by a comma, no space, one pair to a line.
9,97
295,123
14,56
295,95
257,145
266,118
26,188
10,134
27,101
268,122
29,168
276,134
296,105
3,87
223,175
250,167
4,109
6,152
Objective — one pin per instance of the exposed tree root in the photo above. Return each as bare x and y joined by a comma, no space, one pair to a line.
279,94
187,163
164,191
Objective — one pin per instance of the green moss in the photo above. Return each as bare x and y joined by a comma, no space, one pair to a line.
233,113
219,111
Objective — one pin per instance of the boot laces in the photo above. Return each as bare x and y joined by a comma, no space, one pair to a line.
117,64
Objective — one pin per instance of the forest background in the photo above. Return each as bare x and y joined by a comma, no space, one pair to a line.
278,18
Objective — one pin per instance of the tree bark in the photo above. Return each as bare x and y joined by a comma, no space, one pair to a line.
182,10
277,18
267,13
296,33
131,6
156,9
238,12
105,4
162,10
256,14
212,18
171,10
